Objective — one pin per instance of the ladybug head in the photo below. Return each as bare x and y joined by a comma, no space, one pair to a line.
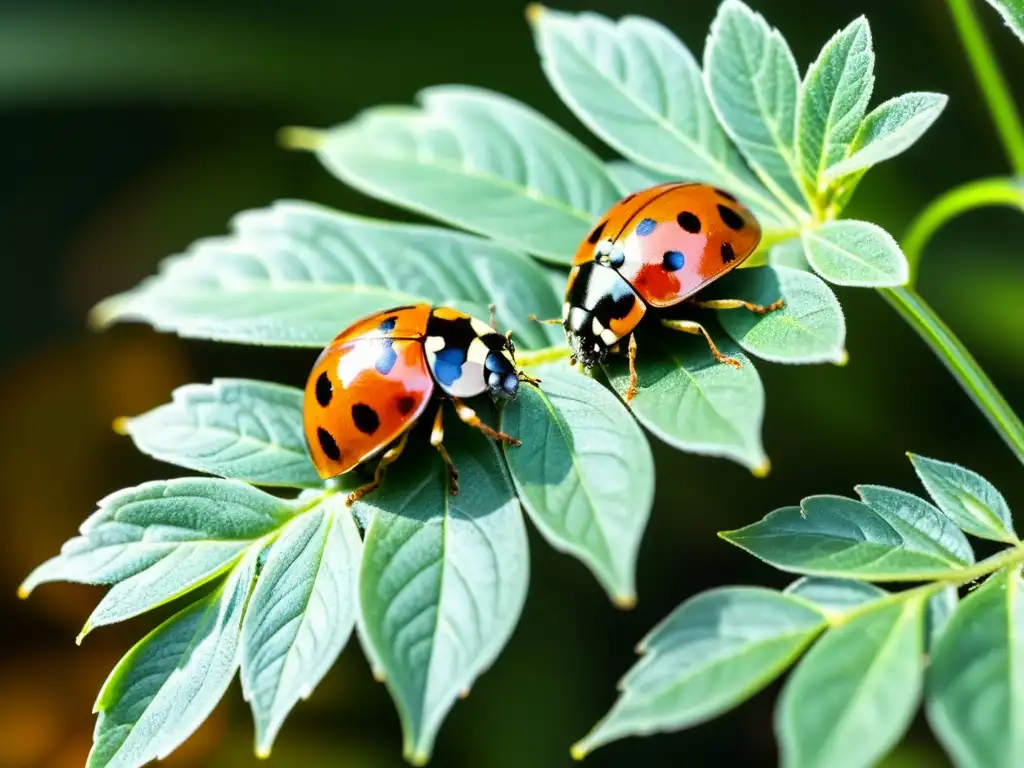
588,348
500,371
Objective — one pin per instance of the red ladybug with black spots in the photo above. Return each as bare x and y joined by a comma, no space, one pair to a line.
652,250
376,378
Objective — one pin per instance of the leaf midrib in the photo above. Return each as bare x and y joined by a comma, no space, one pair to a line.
811,235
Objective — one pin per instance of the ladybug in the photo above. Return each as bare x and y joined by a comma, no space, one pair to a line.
651,250
372,383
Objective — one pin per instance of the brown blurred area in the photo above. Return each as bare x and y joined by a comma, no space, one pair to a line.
131,129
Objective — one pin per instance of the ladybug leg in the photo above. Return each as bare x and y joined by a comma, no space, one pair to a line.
437,440
534,318
631,389
759,309
469,416
389,457
689,326
493,318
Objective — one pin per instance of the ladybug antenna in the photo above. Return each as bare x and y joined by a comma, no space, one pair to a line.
493,309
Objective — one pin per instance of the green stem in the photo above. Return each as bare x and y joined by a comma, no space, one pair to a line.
991,81
965,369
541,356
949,205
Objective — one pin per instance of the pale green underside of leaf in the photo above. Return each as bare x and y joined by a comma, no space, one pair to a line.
443,579
165,686
810,328
693,402
638,87
713,652
833,596
790,253
478,160
198,524
587,477
967,498
853,696
1012,12
752,81
630,178
855,253
839,537
833,99
301,614
889,130
297,273
975,693
234,428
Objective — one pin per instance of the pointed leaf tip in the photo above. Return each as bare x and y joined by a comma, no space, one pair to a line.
534,11
24,590
120,425
625,602
298,137
578,751
762,470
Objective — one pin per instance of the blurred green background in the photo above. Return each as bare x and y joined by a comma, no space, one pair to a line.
132,128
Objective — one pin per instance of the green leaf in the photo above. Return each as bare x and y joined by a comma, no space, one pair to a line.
751,78
967,498
975,693
630,178
789,253
840,537
585,474
234,428
478,160
833,99
166,685
638,87
296,273
301,614
443,579
1012,12
940,609
810,327
853,696
891,129
711,653
691,401
918,521
834,597
855,253
160,540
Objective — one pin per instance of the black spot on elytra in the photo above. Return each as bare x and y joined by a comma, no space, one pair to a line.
728,254
689,222
328,445
596,234
365,418
388,324
405,404
387,359
324,390
672,261
726,195
732,219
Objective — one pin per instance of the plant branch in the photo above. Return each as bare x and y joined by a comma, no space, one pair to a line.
991,81
965,369
974,194
541,356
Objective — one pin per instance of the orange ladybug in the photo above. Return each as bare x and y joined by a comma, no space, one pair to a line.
376,378
652,250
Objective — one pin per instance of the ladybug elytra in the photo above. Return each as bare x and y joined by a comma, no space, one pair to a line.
376,378
651,250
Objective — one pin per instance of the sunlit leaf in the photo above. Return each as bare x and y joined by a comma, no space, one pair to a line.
630,178
478,160
810,327
713,652
839,537
856,253
161,539
891,128
693,402
975,689
834,597
234,428
301,613
940,609
586,475
853,696
637,86
751,78
971,501
789,253
443,579
165,686
1012,12
833,98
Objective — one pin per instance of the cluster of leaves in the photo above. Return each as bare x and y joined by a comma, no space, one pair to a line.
433,584
870,655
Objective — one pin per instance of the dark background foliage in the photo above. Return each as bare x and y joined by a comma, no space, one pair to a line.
130,129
